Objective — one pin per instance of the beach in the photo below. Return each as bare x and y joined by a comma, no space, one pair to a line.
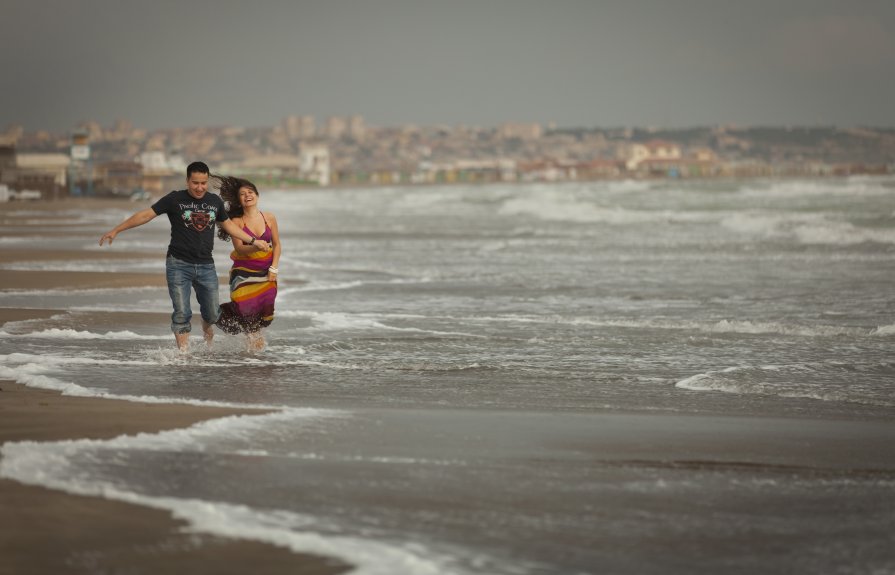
48,531
504,380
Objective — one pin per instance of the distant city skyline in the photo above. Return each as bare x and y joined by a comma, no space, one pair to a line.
574,63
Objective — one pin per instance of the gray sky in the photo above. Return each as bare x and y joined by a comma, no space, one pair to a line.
664,63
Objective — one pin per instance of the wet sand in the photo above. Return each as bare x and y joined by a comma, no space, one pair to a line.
43,531
46,531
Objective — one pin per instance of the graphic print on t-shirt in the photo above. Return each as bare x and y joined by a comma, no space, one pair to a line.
198,219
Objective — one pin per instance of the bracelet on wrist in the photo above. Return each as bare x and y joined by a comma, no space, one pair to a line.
273,269
251,242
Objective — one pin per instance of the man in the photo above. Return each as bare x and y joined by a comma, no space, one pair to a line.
193,213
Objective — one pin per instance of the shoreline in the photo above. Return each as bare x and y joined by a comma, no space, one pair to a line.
50,531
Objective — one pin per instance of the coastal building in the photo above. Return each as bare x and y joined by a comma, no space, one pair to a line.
635,153
7,156
300,127
269,169
663,150
314,164
118,178
46,174
336,127
520,131
357,129
547,170
160,172
54,165
599,169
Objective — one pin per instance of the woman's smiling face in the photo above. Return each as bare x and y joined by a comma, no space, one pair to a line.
247,196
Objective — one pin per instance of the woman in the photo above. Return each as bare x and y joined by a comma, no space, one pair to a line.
253,277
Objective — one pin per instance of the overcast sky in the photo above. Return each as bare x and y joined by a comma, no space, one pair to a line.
588,63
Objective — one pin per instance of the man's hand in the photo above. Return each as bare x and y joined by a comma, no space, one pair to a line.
138,219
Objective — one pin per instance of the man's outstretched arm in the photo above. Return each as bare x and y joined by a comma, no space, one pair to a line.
138,219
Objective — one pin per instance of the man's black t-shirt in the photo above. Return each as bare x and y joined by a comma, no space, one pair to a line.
192,224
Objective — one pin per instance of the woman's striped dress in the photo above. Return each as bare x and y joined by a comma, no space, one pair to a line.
252,296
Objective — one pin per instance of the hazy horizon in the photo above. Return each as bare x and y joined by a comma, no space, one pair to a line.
691,63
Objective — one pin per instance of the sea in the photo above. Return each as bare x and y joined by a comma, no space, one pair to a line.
634,377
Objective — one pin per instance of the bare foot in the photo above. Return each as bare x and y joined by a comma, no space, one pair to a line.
255,341
183,341
208,334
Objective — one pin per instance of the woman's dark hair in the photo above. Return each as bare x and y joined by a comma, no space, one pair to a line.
229,187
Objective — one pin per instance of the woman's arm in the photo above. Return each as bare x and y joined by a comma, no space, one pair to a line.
241,239
277,249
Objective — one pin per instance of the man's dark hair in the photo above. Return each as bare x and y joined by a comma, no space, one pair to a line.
196,168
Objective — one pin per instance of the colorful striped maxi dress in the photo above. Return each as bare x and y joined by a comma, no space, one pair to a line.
252,296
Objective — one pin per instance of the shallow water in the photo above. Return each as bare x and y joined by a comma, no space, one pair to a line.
461,349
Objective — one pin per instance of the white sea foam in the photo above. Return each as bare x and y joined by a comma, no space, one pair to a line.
772,380
716,381
32,370
123,244
807,229
53,465
320,286
136,265
351,284
884,330
88,291
721,326
329,321
69,334
46,360
557,207
854,186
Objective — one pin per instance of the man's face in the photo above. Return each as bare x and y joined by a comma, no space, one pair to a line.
197,184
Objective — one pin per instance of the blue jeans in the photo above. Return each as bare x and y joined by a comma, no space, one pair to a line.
183,276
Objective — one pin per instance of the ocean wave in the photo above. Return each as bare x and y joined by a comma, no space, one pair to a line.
38,372
69,334
82,291
53,465
556,207
853,187
720,326
806,229
884,330
316,286
781,381
338,321
143,246
102,266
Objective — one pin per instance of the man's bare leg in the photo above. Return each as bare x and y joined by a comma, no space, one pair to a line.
183,340
208,333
